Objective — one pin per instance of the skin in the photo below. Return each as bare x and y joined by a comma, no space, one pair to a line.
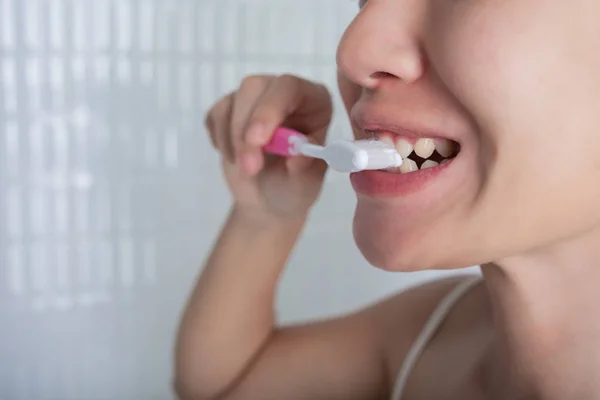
517,82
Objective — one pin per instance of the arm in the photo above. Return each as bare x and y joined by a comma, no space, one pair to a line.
228,346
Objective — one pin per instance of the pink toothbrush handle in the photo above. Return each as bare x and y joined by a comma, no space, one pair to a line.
282,142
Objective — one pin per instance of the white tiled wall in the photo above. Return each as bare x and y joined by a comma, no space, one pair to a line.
110,196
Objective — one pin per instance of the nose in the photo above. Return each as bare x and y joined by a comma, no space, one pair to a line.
383,42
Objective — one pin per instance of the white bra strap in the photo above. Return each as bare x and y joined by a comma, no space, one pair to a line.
431,326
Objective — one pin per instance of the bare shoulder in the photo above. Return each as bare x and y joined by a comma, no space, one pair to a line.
458,343
401,318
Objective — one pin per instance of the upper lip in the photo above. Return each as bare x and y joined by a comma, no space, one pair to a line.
368,119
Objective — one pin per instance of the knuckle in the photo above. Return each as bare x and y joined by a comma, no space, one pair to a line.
286,77
254,82
223,104
325,94
324,89
219,109
265,113
289,80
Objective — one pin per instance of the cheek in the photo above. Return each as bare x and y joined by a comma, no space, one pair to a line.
467,48
528,77
521,71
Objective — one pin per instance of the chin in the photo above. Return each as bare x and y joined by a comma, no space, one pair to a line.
384,243
391,245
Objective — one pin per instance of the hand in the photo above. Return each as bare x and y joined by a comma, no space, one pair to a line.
241,123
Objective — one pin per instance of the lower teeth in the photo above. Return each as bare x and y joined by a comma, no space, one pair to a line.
429,164
409,165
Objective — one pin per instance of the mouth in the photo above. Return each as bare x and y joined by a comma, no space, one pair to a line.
418,153
425,160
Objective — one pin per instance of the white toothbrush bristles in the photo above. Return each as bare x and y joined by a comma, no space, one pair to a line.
377,155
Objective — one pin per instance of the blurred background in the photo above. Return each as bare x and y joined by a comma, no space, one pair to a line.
111,196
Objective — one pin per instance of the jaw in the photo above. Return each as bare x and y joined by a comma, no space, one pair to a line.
386,242
403,237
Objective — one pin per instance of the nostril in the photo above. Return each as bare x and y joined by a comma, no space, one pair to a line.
382,75
405,70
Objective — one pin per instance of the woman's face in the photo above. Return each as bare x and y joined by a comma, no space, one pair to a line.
515,86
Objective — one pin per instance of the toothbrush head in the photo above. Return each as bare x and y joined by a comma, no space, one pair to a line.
375,155
361,155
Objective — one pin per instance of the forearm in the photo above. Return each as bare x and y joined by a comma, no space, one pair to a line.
230,314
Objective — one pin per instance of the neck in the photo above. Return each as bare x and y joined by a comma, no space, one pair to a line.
546,310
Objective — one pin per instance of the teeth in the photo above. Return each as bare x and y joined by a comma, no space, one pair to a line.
445,147
424,147
408,166
387,140
429,164
404,147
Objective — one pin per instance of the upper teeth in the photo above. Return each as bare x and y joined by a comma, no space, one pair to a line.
404,147
424,147
445,148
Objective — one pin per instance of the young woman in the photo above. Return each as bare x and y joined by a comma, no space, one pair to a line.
502,97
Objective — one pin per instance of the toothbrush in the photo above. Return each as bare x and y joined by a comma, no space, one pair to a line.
341,155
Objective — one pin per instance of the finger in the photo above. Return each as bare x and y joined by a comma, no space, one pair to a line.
220,120
287,99
216,112
314,113
248,95
252,161
281,99
277,101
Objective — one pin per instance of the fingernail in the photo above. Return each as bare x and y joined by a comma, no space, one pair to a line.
255,134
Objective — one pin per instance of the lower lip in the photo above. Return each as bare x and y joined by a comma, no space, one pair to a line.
386,184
